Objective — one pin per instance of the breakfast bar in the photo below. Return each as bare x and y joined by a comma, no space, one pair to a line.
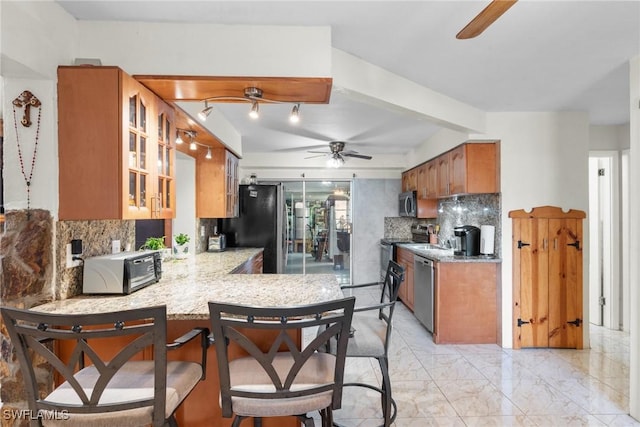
185,288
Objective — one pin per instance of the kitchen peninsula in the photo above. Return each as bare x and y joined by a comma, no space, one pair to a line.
185,288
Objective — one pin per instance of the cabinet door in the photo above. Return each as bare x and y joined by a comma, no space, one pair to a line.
457,170
531,248
442,165
231,185
410,180
432,179
405,259
138,108
565,283
422,181
164,195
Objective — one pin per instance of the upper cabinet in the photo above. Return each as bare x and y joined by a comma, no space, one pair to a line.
115,147
217,184
473,168
470,168
410,180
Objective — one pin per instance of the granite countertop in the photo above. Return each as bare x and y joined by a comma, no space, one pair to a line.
446,255
188,285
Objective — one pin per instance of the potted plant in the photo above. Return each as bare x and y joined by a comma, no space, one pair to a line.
153,244
181,249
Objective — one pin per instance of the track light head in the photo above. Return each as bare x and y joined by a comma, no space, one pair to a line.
202,115
294,117
254,113
208,156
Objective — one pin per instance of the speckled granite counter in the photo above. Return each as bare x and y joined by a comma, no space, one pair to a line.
446,255
188,285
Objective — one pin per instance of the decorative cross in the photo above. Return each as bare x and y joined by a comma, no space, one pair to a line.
26,100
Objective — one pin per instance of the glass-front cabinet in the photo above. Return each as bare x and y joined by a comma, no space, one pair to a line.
115,147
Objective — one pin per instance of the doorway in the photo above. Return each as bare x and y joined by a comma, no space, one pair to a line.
606,302
319,224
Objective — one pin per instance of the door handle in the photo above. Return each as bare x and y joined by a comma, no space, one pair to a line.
575,244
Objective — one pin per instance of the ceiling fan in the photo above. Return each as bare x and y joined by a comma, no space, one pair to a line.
337,154
489,14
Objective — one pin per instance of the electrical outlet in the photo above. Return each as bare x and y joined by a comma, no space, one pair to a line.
115,246
70,261
202,231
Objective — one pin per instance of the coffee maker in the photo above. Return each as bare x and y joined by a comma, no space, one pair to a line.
467,240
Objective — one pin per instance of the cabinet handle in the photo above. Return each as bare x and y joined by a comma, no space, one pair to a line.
544,244
555,244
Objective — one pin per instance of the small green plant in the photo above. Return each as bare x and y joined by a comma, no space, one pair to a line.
182,239
154,243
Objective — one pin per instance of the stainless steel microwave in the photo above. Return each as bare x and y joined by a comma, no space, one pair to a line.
121,273
407,204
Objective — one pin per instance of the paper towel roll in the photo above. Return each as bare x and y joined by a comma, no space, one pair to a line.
487,235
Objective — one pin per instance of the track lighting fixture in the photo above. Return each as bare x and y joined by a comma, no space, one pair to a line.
255,96
193,144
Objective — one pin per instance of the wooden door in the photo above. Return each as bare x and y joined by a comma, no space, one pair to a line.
529,237
565,283
547,278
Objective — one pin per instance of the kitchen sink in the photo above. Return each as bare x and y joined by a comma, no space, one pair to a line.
425,247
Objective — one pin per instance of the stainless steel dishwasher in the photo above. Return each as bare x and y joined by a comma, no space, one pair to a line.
423,277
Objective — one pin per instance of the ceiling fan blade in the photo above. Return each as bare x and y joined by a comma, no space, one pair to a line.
319,152
318,155
359,156
489,14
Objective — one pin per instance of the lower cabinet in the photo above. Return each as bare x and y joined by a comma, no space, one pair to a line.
466,303
405,259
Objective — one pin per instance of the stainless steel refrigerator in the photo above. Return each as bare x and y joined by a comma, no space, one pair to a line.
260,223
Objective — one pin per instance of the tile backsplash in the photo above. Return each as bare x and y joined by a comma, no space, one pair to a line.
476,209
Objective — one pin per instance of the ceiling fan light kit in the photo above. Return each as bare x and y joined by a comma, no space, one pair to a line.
255,96
337,154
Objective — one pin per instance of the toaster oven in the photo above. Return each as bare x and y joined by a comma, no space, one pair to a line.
121,273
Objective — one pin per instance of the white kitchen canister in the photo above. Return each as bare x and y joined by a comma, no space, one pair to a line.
487,236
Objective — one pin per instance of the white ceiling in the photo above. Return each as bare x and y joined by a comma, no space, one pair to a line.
539,56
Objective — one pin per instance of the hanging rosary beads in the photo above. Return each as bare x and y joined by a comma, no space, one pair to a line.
27,100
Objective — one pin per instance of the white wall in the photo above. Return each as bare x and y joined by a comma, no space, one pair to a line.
29,62
544,161
185,220
609,137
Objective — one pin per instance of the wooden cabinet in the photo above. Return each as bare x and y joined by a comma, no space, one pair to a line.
217,184
410,180
466,302
405,259
115,147
547,278
470,168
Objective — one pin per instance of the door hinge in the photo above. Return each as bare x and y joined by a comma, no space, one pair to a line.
521,244
521,322
603,301
576,322
601,172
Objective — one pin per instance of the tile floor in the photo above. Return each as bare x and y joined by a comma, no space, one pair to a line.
486,385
